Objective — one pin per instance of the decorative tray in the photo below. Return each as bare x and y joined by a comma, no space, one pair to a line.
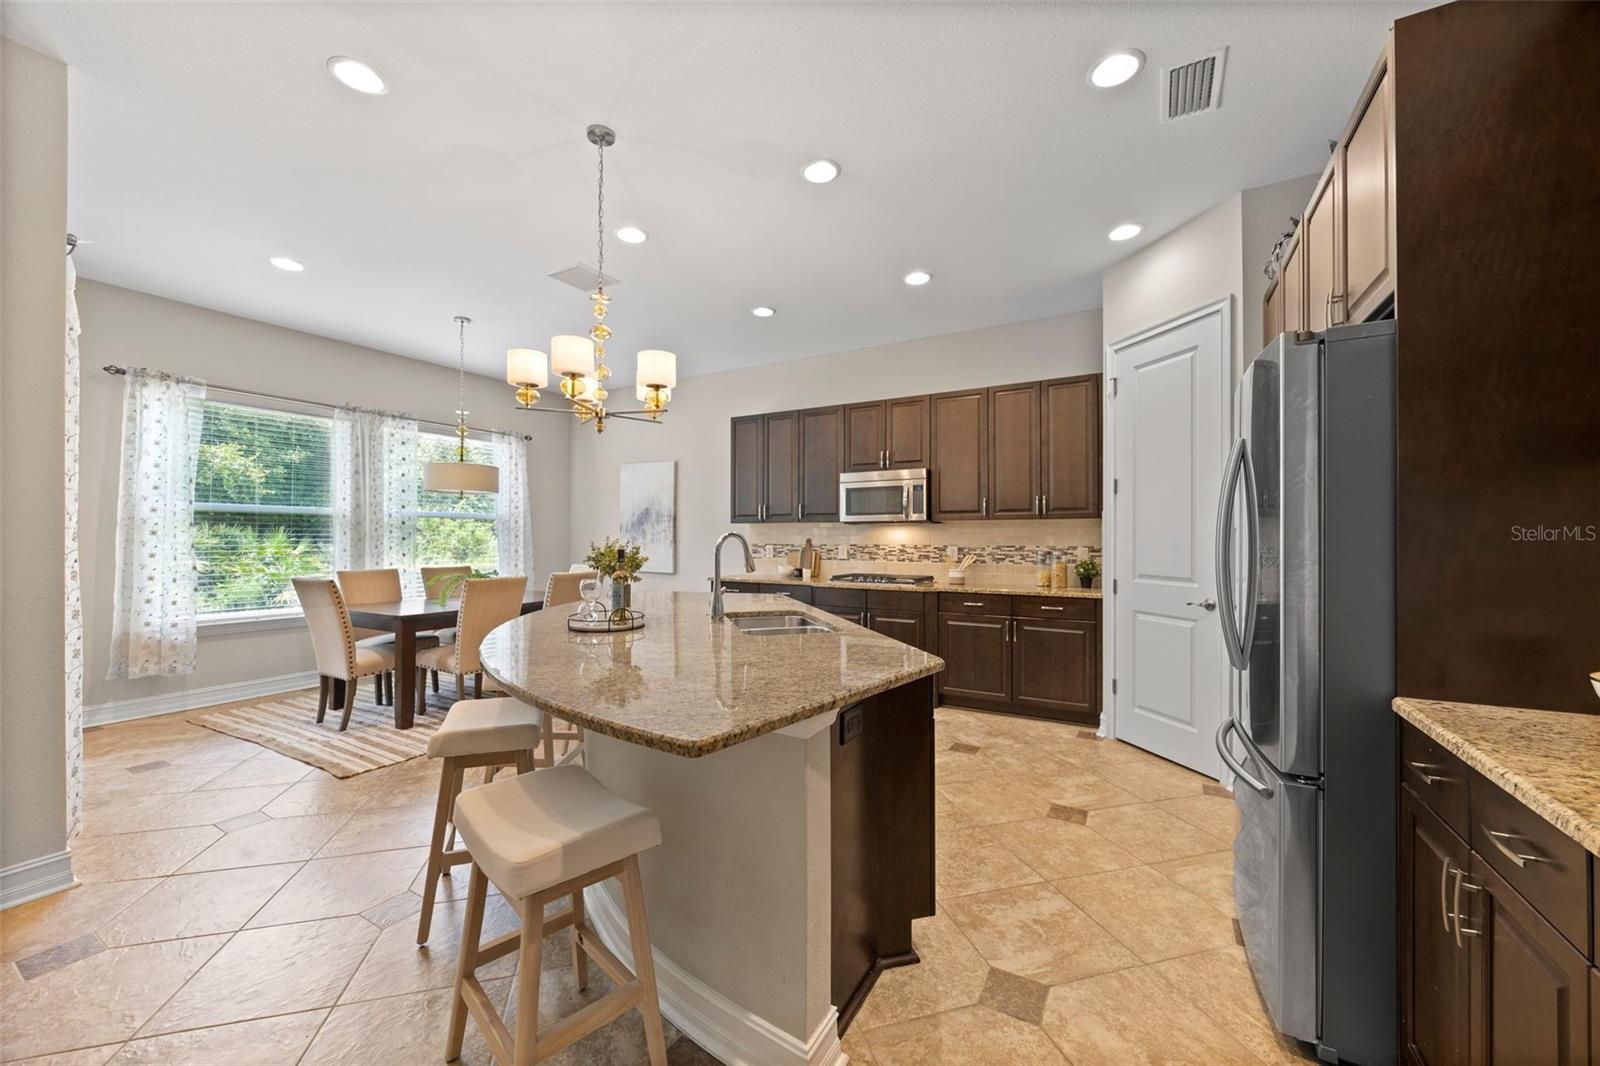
618,621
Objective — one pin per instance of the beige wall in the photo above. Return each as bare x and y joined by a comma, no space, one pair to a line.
33,226
1266,211
132,328
695,432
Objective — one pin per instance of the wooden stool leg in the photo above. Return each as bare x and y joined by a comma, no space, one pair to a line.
580,957
471,932
525,761
322,697
549,725
436,866
644,966
528,973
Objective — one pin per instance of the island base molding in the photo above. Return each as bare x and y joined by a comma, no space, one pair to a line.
719,1025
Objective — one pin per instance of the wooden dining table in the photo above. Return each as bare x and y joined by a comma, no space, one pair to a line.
406,618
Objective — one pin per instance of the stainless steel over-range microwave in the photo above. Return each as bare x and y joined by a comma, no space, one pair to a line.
884,496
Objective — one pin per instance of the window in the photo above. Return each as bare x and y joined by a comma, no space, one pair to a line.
263,507
455,528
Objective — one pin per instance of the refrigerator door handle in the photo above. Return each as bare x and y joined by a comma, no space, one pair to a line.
1228,725
1252,526
1224,560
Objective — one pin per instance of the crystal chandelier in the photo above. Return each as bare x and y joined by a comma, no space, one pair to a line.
581,361
459,475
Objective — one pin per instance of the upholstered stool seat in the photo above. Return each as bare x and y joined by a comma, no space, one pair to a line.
479,727
540,837
537,830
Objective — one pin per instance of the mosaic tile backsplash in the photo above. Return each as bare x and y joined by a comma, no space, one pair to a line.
997,544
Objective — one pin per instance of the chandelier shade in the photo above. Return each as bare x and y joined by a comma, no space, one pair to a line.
658,368
571,355
527,366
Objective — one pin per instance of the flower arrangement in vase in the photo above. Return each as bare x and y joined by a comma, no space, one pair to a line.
621,562
1087,570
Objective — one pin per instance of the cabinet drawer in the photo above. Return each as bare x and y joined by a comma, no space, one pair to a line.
794,592
831,597
893,600
740,586
1543,864
1437,777
973,603
1055,607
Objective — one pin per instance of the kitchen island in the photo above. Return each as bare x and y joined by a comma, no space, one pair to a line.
793,776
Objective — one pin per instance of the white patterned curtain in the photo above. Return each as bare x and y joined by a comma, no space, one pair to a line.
513,520
153,625
376,471
74,605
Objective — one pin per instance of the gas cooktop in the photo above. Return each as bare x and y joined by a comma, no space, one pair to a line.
884,579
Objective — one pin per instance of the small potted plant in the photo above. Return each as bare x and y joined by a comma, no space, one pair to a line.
621,562
1087,570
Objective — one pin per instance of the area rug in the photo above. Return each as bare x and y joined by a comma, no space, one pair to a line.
287,724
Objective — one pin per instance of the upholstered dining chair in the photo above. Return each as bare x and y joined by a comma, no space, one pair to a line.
485,603
430,574
341,662
562,588
372,586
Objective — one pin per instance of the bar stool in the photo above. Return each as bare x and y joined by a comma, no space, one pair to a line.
489,733
539,837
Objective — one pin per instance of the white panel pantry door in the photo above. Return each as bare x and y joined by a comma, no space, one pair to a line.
1170,412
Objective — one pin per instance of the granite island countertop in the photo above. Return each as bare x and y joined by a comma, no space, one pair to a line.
1549,760
690,686
988,587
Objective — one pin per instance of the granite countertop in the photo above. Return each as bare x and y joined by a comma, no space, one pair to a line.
690,686
1549,760
988,586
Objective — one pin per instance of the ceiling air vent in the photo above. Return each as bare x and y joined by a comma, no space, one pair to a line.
1192,88
581,277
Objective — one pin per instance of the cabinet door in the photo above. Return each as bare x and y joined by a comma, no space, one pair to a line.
781,467
977,656
1366,207
746,477
905,440
960,471
1530,986
1318,248
864,436
1292,283
1069,447
821,438
1435,973
1054,666
1014,451
1272,313
904,626
854,614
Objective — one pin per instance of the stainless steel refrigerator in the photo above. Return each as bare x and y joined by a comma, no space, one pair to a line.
1305,565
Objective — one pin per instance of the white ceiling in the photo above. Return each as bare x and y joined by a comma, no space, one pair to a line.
207,137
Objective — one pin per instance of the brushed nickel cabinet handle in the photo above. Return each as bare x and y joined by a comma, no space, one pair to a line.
1044,608
969,603
1462,930
983,504
1444,897
1044,503
1495,838
1422,769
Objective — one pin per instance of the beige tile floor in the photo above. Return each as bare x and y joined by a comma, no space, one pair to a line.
240,907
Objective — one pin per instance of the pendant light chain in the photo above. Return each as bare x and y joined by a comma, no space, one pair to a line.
600,225
461,388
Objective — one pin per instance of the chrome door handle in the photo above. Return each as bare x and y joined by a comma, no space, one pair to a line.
1252,551
1238,769
1422,769
1496,836
1224,552
1206,604
1444,898
1462,930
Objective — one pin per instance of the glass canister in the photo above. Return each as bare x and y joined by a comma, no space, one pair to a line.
1059,569
1041,569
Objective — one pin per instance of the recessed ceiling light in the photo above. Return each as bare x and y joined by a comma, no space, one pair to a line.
918,277
1126,232
763,311
283,262
357,75
1116,68
632,235
820,171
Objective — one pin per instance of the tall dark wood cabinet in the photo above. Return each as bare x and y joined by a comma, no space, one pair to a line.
749,469
960,469
1069,447
1435,972
821,446
1014,451
781,451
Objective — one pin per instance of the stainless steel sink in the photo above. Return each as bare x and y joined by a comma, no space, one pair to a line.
772,625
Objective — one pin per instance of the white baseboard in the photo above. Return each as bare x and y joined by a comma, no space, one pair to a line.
35,878
728,1031
191,699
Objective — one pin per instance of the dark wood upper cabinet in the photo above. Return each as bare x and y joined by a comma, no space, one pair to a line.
781,467
1435,972
1069,447
864,427
821,442
748,469
960,467
1014,451
905,441
1055,666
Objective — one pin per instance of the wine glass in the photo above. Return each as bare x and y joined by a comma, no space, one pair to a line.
593,610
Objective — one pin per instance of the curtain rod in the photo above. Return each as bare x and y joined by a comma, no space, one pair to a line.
112,368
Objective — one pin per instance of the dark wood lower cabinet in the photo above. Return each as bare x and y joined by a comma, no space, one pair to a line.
904,626
1055,666
977,657
1435,972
